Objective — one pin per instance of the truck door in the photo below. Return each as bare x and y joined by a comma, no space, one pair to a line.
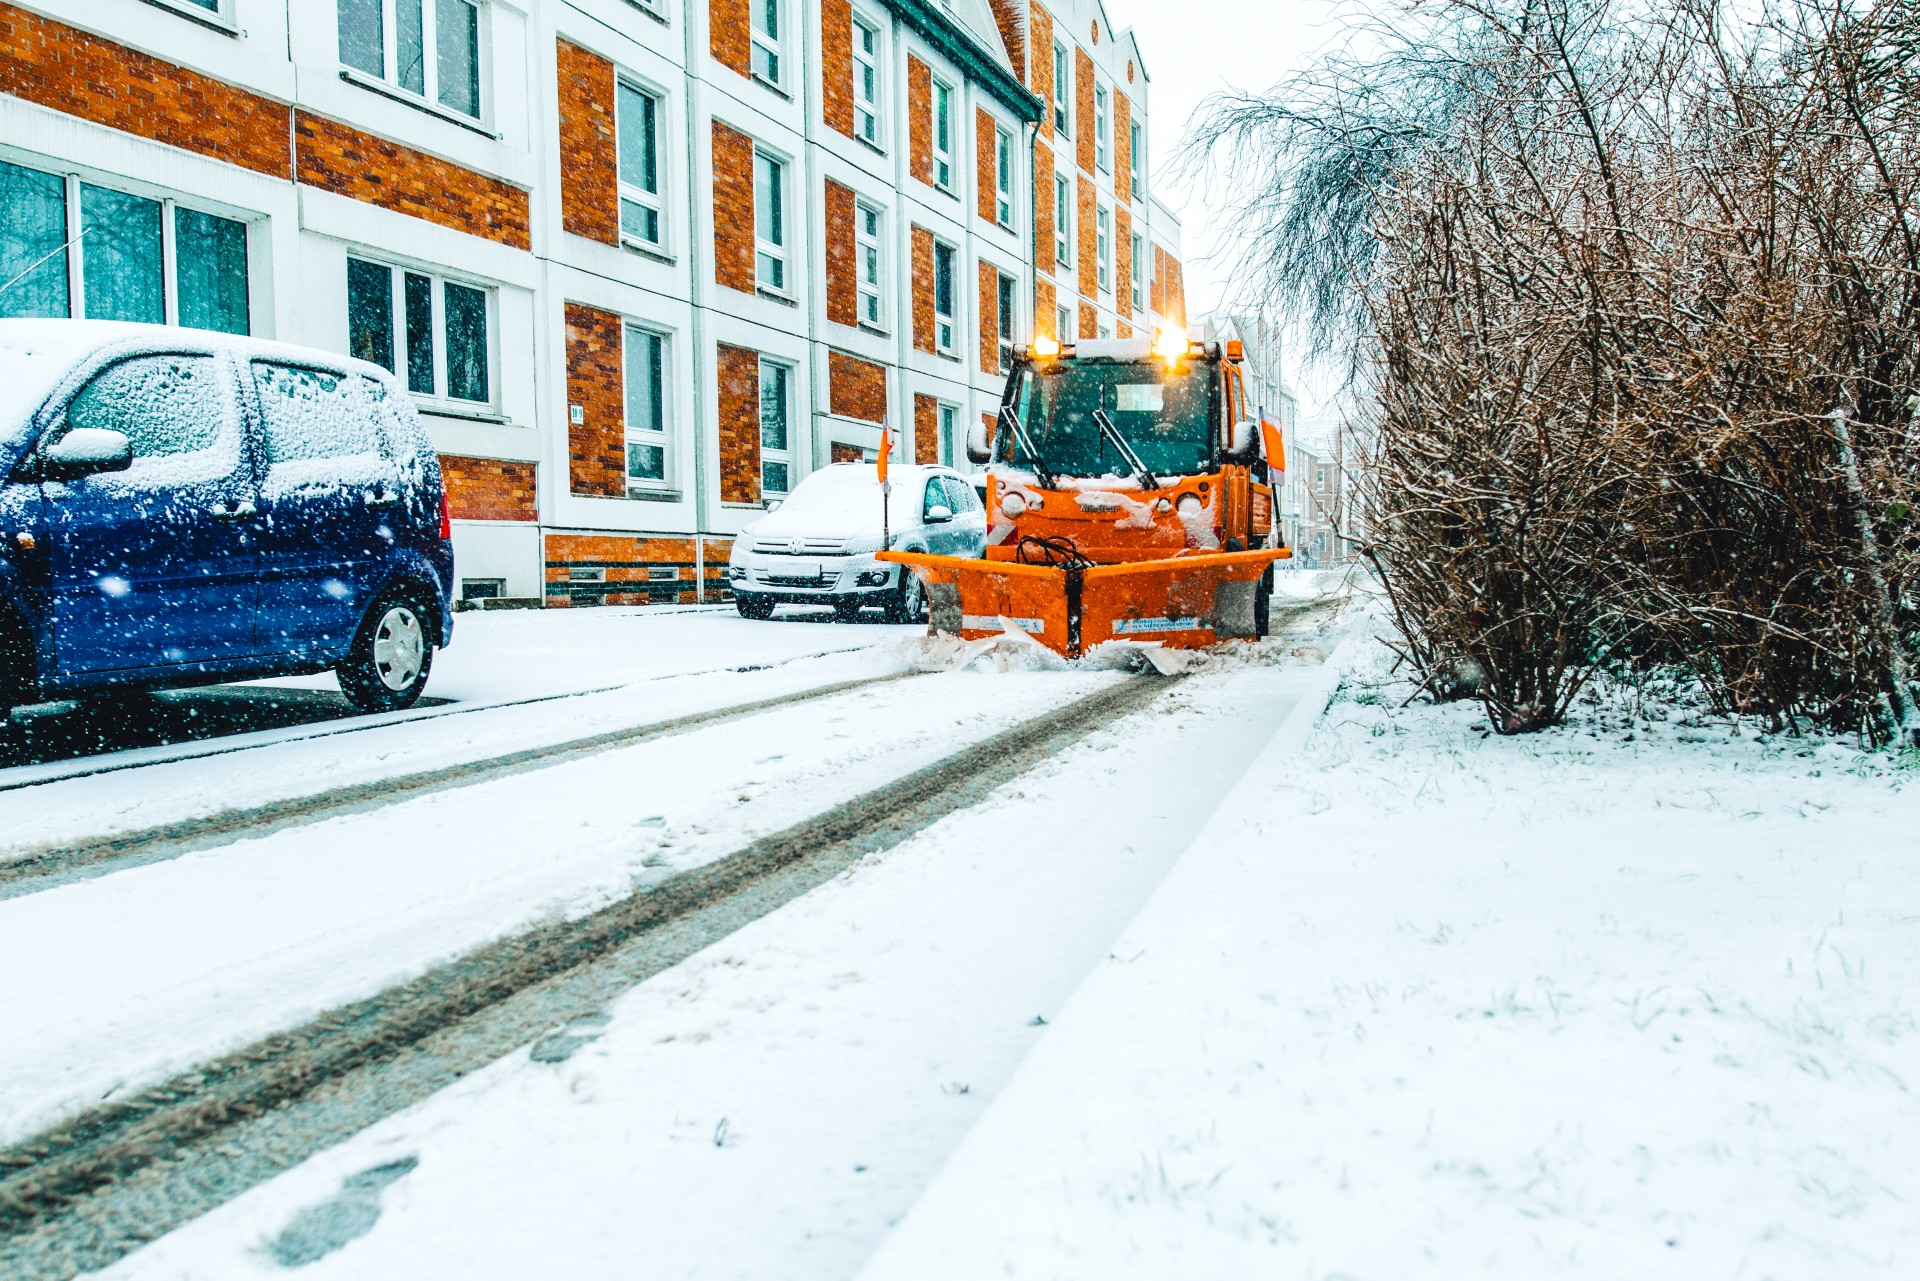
155,566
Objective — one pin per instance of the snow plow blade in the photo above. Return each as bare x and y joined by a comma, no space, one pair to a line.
1181,602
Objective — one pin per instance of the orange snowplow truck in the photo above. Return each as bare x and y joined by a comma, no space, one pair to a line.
1129,497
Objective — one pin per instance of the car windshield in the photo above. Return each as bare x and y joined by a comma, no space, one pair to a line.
1166,414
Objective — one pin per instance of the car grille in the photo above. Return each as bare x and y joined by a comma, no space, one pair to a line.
797,580
805,547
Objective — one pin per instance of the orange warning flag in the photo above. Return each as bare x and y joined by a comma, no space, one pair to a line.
886,449
1275,447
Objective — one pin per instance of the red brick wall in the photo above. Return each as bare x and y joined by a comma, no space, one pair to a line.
739,379
1045,303
1157,287
926,429
350,163
589,156
1089,321
1010,18
597,446
1122,261
1083,107
732,207
920,120
1089,235
1041,43
983,165
1044,229
1176,292
730,34
56,66
488,488
841,452
923,290
843,289
1122,146
856,388
626,561
989,318
836,65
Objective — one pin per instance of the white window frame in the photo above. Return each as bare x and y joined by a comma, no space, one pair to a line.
1003,177
663,438
946,326
1103,246
1064,207
220,16
777,250
866,112
946,417
1063,322
1136,159
1006,297
1062,90
870,295
942,139
429,95
654,200
1102,118
440,399
783,457
770,43
1139,272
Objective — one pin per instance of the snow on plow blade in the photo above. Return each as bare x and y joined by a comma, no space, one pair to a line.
1183,602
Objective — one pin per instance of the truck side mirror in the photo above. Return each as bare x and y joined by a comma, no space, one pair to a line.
84,451
1240,443
979,449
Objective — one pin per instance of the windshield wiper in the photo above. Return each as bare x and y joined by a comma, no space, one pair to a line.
1120,446
1012,420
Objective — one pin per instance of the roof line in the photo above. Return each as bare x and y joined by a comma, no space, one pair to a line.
945,34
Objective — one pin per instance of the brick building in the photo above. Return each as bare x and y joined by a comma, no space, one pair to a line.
643,263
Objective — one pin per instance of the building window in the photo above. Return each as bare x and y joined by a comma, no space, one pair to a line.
430,48
1139,273
1063,324
431,331
949,416
1003,177
770,221
648,463
776,459
1062,86
638,123
1102,154
866,241
1103,242
1137,159
866,81
1063,220
1009,304
125,262
766,40
943,296
943,135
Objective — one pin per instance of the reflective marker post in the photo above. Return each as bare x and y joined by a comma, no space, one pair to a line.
886,488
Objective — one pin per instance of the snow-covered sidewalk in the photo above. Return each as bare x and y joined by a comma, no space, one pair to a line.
1420,1003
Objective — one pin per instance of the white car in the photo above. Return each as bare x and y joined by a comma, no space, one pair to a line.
817,547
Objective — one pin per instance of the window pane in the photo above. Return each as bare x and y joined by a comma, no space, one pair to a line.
370,312
418,291
410,40
1006,308
458,41
33,228
943,280
362,41
646,462
211,267
766,18
769,217
640,222
164,404
773,406
120,256
773,478
466,319
644,411
310,414
639,140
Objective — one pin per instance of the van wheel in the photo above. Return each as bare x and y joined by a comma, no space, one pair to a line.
759,608
909,603
392,653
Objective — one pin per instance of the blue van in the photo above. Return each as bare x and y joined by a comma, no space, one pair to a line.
180,507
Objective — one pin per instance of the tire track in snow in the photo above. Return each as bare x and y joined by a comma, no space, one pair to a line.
83,1194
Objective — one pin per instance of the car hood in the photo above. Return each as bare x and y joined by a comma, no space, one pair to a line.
853,525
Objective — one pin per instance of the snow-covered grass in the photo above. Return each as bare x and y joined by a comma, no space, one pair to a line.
1630,998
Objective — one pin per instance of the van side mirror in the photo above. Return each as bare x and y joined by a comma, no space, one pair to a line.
1240,443
85,451
979,449
939,514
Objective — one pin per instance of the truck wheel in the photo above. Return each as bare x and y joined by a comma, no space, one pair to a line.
759,608
392,653
909,603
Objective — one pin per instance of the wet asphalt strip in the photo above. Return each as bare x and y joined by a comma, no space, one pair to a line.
64,863
87,1192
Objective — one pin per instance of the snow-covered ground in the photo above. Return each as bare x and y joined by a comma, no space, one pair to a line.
1421,1003
770,1107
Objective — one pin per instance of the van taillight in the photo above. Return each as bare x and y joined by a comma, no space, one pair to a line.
446,519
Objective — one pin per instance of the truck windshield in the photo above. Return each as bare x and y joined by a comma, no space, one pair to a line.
1165,414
